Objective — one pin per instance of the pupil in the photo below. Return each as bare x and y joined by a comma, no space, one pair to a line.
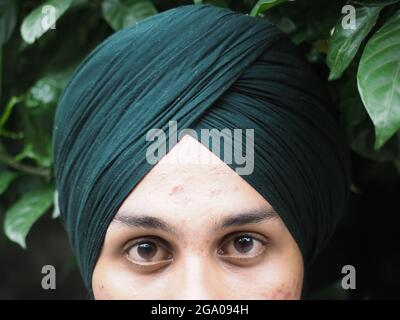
243,244
146,250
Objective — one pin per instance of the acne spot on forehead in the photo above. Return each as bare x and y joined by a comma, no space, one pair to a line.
214,192
176,189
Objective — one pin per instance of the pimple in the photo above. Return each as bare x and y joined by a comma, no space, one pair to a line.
175,189
215,192
280,293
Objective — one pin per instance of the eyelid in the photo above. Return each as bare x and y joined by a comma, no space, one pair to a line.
147,264
140,239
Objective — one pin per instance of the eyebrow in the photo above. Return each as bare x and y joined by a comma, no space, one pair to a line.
146,222
150,222
251,217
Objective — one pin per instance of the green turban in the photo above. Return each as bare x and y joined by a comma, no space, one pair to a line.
203,67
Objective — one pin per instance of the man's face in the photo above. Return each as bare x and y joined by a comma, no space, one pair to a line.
197,231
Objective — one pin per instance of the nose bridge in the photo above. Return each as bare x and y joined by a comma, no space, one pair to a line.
197,278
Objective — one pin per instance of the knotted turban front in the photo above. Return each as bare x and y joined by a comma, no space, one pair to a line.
204,67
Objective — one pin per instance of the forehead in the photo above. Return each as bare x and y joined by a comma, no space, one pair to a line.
200,184
191,165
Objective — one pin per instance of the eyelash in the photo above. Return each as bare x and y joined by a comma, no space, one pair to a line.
146,239
159,242
234,235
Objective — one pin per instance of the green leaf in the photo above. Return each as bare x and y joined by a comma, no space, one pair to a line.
25,212
42,19
7,111
352,110
284,23
6,177
217,3
29,152
378,79
380,3
299,37
8,19
11,134
263,5
361,140
344,43
122,13
45,92
333,291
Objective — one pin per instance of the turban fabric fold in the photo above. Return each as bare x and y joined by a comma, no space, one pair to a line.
204,67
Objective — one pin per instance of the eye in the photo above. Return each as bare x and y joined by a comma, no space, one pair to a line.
242,246
148,252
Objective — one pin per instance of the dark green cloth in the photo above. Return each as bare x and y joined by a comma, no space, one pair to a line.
205,67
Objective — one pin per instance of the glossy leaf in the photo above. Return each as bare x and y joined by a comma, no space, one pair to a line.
263,5
8,109
379,79
42,19
380,3
352,110
43,159
344,43
25,212
122,13
361,140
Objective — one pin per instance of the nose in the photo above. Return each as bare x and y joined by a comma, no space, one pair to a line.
197,278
